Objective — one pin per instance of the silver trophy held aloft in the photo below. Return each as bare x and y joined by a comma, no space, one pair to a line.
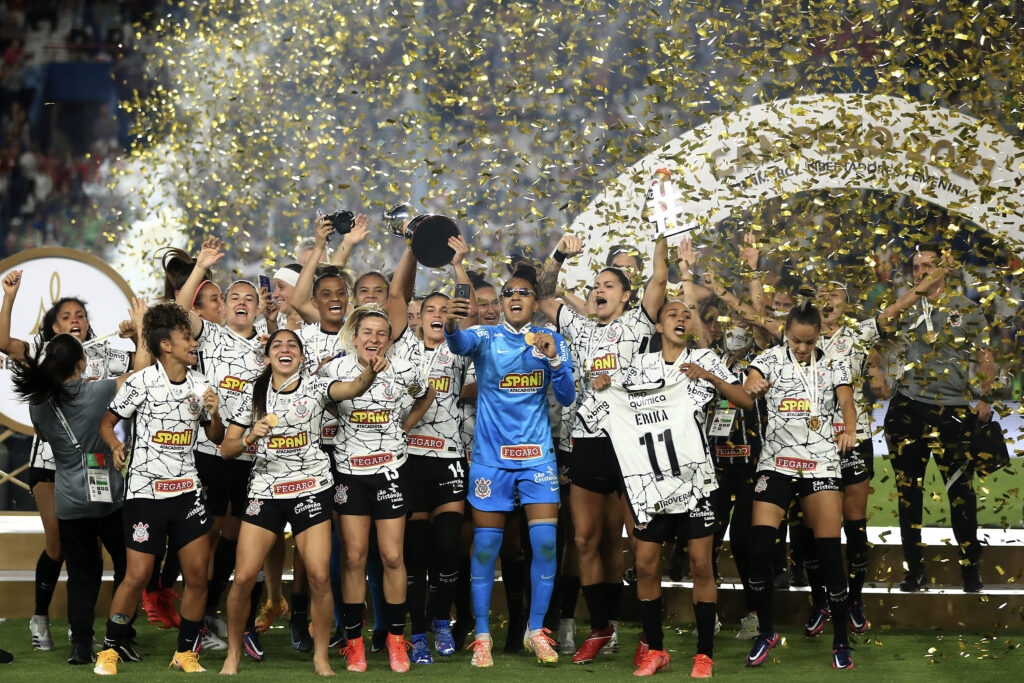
426,233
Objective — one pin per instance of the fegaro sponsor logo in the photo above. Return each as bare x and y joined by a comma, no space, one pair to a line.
523,452
609,361
429,442
233,383
370,417
278,443
732,451
441,385
173,485
165,438
521,383
286,488
795,405
328,431
796,464
375,460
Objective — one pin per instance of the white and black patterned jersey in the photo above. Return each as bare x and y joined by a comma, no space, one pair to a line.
851,343
790,445
318,346
743,444
370,437
230,363
167,417
288,461
654,421
101,362
602,349
438,434
467,411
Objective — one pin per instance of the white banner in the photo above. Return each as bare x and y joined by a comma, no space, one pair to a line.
49,275
738,160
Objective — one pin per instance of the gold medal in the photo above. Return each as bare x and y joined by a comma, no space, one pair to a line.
414,389
272,420
529,338
814,423
931,337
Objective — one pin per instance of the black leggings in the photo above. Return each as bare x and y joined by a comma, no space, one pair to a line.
80,540
907,424
733,502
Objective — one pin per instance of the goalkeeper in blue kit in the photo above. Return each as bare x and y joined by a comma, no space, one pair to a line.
513,454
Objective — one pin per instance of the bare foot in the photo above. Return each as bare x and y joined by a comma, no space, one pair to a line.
323,669
230,667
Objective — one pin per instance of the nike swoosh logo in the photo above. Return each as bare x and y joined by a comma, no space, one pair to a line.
547,578
554,488
203,520
502,351
396,507
708,524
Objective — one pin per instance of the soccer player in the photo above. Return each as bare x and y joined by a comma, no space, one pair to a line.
231,356
806,394
291,483
66,411
163,498
669,482
66,316
437,458
603,345
513,452
373,486
942,336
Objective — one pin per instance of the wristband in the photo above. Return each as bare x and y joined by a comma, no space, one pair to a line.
245,441
985,398
559,256
555,363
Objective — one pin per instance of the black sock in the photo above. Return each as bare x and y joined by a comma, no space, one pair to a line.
47,575
568,596
352,620
446,528
650,622
612,599
417,536
856,554
223,565
803,540
117,632
513,578
831,553
706,613
300,604
396,617
463,598
762,547
595,597
254,604
171,569
188,635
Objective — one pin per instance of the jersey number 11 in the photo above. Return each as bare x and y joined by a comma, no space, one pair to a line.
664,437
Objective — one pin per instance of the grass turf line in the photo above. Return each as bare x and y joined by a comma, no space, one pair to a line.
879,656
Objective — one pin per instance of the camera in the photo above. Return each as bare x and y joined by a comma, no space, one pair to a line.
342,221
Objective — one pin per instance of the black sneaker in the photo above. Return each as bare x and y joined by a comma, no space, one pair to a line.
915,580
81,653
125,649
781,582
338,639
299,627
972,577
798,576
378,641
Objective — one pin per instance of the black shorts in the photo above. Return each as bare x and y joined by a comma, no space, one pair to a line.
778,488
40,475
562,458
380,496
859,464
433,482
594,467
150,523
226,483
696,523
302,512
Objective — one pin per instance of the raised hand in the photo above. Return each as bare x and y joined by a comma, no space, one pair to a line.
12,283
324,229
359,232
687,256
570,245
460,246
378,364
457,310
258,430
545,343
749,251
211,252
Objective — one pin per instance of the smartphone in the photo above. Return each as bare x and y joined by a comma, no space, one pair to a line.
265,282
462,291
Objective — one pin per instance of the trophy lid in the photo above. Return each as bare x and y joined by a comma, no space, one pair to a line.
430,235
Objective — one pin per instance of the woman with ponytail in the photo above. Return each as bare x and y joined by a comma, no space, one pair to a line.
66,412
66,316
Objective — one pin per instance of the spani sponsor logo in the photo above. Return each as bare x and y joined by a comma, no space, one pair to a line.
441,385
165,438
370,417
278,443
521,382
794,405
232,383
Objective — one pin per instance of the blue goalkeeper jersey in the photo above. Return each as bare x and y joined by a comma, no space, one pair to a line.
512,429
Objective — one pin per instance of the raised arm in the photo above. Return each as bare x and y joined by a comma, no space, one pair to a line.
211,252
888,317
654,295
301,298
461,248
357,234
401,289
143,358
460,341
15,348
547,281
342,391
732,391
687,258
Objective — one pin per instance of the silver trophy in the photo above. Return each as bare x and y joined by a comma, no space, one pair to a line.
426,233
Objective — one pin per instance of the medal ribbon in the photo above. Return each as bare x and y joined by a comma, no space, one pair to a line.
812,386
